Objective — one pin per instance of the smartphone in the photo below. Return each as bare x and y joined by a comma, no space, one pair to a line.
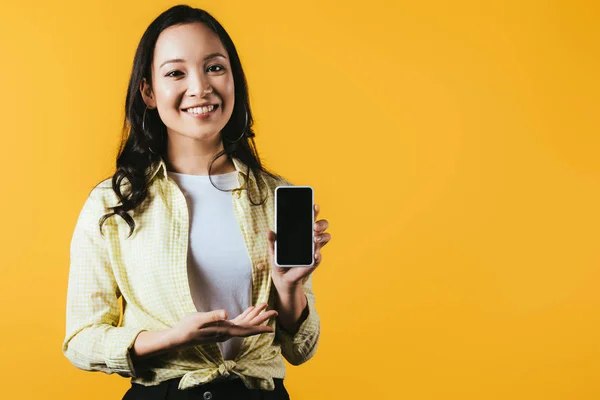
294,220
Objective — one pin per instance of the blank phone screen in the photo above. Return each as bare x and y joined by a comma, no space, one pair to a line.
294,226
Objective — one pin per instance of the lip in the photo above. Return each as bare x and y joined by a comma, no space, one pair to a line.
199,105
202,116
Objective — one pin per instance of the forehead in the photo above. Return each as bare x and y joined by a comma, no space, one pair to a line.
189,41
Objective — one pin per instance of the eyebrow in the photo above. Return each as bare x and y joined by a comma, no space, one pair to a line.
208,57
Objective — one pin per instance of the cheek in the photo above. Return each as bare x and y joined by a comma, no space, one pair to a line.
226,87
166,97
229,94
229,88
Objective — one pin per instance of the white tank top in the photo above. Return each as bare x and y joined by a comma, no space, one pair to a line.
219,266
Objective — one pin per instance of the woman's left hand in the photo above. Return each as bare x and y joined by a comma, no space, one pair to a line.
292,276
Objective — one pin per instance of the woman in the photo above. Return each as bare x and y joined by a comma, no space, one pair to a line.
181,233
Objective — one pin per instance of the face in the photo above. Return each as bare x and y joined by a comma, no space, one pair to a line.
191,68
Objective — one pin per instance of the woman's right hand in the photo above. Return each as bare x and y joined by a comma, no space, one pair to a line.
210,327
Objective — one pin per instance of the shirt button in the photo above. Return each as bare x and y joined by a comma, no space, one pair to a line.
207,395
260,266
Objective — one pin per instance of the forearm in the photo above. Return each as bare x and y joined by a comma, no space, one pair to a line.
292,307
298,336
152,343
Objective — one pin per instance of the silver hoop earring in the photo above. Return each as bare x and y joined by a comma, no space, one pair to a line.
243,130
144,119
144,129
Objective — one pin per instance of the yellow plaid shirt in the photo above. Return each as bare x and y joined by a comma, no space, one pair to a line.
149,271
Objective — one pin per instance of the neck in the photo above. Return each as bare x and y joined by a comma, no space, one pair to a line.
193,157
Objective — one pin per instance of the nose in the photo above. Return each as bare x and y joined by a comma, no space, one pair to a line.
198,82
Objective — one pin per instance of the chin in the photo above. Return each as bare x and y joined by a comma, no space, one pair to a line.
202,134
202,131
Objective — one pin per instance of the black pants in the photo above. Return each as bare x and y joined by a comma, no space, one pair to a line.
223,390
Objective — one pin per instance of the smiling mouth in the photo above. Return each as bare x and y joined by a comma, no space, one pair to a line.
201,110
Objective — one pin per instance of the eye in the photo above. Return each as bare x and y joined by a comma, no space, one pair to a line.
221,68
170,74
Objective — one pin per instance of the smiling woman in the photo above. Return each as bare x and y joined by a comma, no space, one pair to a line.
184,253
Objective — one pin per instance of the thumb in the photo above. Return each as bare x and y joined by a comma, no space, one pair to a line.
217,315
271,238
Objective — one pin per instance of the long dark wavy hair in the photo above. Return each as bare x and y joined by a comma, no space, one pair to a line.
144,143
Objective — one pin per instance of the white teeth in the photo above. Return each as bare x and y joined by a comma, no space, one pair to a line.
200,110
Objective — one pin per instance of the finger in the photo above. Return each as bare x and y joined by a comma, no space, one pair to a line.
318,259
247,311
320,226
243,315
214,316
271,237
259,319
257,310
323,239
241,331
317,209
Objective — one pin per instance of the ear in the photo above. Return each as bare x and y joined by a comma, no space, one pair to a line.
147,94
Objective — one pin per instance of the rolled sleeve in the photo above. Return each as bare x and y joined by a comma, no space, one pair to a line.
93,341
300,347
118,342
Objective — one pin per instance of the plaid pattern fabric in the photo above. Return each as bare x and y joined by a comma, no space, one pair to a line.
149,271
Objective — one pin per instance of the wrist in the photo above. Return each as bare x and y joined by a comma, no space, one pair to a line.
172,339
291,327
286,288
291,303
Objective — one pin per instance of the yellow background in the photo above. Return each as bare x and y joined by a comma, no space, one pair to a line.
452,147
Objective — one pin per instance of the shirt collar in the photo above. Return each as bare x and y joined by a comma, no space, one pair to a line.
160,170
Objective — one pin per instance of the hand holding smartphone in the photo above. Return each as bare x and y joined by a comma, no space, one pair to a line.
294,219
